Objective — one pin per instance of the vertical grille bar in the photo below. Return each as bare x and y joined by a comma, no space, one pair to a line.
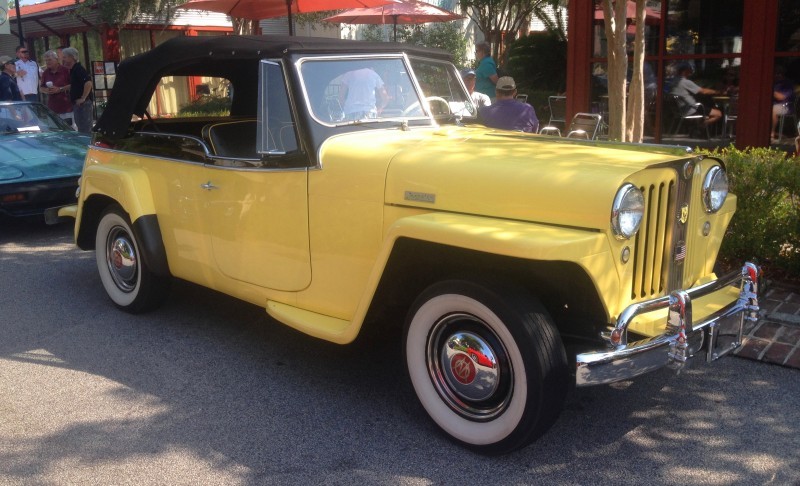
652,244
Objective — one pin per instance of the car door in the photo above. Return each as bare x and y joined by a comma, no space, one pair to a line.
258,207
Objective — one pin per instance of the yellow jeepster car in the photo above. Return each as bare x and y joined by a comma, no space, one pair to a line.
351,181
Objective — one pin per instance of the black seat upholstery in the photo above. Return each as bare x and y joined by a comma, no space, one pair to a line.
233,139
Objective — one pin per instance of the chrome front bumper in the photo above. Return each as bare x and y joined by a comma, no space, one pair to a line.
718,334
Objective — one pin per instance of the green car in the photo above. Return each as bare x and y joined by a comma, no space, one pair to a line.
41,158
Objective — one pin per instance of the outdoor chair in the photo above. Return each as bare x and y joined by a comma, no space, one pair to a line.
523,98
585,126
782,119
548,130
676,108
730,116
558,110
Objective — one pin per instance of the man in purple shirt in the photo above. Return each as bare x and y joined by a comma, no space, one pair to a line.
506,112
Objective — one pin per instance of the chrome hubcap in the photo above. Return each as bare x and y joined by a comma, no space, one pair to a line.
469,367
122,260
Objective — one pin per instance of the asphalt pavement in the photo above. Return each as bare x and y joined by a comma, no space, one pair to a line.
209,390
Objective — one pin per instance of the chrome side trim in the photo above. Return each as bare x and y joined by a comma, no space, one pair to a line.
627,360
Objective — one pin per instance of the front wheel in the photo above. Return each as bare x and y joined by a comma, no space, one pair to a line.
486,363
125,275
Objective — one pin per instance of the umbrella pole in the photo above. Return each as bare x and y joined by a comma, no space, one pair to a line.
289,10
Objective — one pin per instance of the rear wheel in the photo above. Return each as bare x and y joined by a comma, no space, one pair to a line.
125,275
486,363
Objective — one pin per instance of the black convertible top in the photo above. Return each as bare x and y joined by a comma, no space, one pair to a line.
233,57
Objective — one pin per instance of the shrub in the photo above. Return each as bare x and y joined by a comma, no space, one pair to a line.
538,62
766,226
207,106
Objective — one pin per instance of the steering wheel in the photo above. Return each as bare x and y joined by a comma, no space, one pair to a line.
415,109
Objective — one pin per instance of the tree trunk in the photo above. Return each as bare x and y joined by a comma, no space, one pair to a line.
615,15
636,108
243,26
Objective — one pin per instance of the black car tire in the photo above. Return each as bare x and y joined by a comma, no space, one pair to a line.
507,406
125,275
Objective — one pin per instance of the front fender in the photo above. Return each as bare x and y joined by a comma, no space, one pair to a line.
588,249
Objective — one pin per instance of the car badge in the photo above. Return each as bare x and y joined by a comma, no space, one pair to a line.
420,197
684,216
462,368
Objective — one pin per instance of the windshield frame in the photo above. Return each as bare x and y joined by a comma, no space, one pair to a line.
426,117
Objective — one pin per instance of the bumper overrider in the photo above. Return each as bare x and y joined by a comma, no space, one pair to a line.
716,335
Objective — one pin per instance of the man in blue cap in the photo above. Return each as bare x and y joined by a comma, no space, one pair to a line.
8,85
478,99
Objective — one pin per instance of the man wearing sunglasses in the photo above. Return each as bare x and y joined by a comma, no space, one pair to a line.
27,75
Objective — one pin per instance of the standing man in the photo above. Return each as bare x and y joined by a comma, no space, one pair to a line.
507,112
80,91
8,86
55,84
486,73
27,75
363,94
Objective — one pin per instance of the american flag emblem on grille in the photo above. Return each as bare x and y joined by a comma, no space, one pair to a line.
680,251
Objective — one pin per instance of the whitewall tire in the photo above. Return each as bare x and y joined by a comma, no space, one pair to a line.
486,364
124,273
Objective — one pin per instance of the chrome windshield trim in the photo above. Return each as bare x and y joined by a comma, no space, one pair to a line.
400,55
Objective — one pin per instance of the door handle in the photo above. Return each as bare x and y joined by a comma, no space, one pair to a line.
208,186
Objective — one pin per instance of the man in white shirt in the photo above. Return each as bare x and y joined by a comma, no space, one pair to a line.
363,94
27,75
478,98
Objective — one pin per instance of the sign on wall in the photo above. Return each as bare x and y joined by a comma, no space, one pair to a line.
5,25
105,73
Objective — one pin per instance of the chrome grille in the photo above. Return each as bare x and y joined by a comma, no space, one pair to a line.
652,246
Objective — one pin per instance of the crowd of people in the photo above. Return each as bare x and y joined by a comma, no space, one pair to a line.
64,82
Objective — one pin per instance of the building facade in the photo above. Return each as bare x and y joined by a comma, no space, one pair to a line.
736,47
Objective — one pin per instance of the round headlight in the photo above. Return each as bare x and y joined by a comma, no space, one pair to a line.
627,212
715,189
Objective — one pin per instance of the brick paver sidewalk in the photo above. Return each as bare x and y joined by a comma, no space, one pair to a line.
775,338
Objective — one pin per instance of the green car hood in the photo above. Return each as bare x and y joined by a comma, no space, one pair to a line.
41,156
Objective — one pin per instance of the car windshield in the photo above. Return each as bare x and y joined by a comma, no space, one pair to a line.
360,90
442,87
28,118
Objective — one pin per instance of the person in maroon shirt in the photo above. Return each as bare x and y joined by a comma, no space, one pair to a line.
55,84
506,112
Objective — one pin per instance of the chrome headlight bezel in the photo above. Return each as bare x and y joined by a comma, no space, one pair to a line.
715,189
627,211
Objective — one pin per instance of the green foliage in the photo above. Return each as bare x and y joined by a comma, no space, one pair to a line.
117,12
314,19
443,35
539,62
494,16
766,226
207,106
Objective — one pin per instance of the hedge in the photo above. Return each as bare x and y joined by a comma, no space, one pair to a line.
766,226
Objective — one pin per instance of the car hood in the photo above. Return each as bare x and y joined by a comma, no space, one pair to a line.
38,156
514,175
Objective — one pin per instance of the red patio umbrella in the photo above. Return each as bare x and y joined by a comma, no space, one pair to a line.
265,9
397,12
652,16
